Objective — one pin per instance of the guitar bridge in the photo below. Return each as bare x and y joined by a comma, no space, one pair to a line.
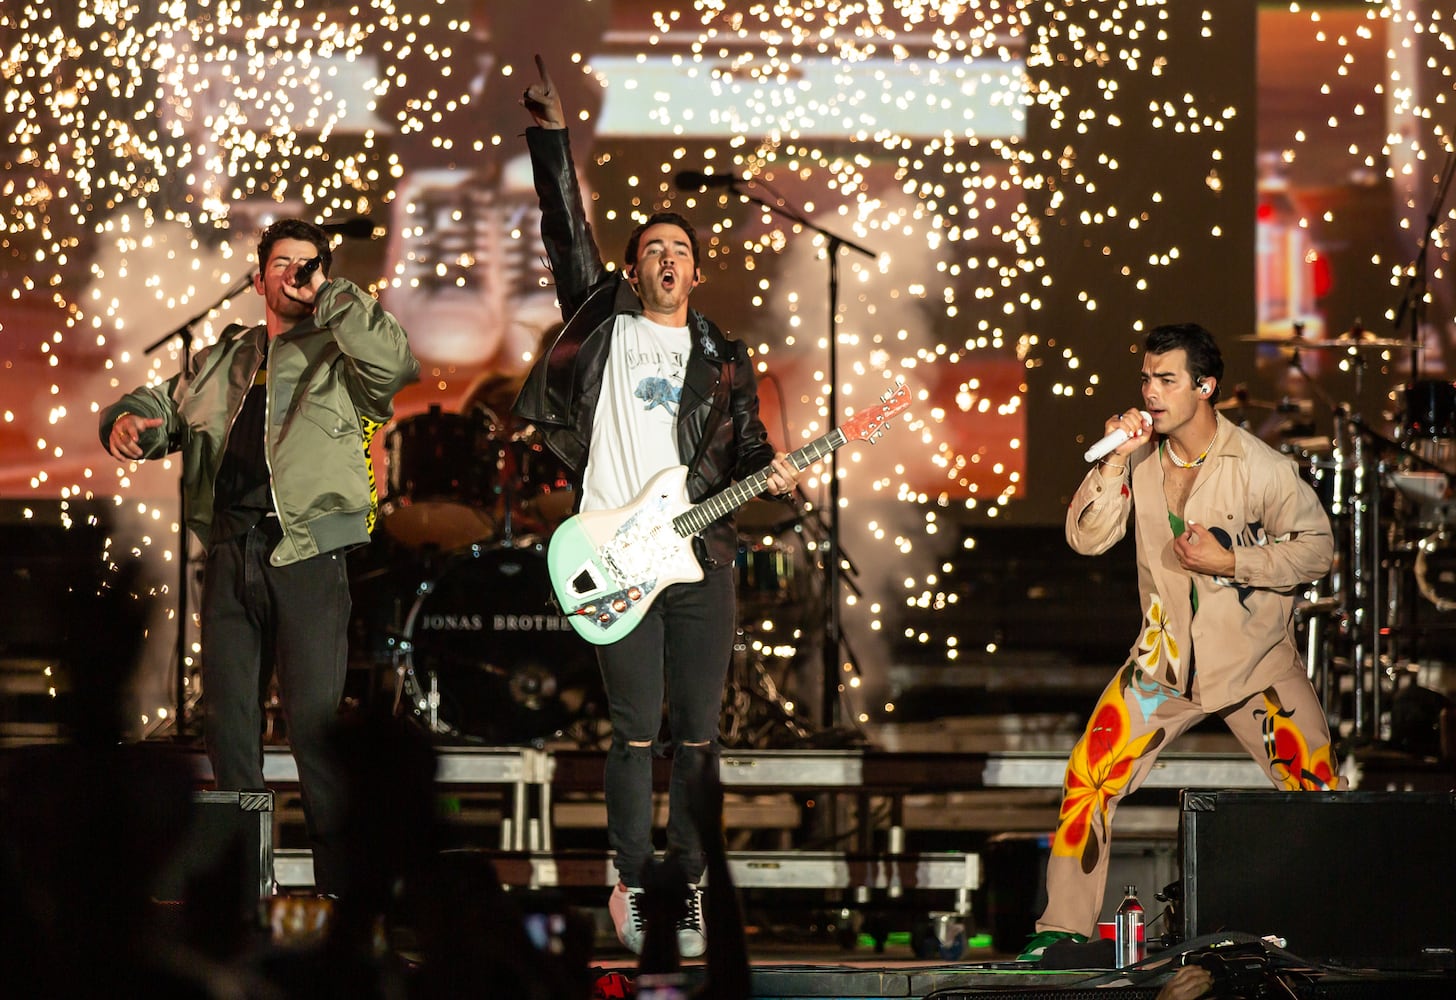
607,608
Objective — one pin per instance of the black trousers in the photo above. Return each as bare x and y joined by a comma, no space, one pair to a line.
256,618
682,648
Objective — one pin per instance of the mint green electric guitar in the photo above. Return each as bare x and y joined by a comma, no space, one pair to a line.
608,566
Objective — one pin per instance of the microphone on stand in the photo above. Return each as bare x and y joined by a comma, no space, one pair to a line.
696,180
358,228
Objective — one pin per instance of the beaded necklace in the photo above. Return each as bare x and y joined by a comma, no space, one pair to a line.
1197,461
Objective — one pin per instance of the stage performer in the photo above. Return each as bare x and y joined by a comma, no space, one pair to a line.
1227,534
273,423
635,383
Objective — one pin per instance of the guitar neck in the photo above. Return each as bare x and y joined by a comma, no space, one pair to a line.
692,521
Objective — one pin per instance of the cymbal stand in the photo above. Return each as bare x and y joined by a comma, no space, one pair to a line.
1354,579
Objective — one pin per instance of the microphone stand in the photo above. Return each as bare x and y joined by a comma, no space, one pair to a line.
1413,298
829,704
184,544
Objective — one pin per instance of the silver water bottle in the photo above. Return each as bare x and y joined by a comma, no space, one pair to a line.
1128,929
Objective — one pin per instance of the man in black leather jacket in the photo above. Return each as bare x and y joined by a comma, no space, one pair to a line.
637,382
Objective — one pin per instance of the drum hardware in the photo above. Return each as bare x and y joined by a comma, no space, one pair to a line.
1368,580
780,599
774,582
755,712
1318,614
1269,421
1435,569
1354,503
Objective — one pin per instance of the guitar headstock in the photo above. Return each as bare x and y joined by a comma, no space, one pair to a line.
868,424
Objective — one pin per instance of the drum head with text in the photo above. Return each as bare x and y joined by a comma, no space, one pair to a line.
506,666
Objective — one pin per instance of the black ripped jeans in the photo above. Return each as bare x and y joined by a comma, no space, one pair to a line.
681,650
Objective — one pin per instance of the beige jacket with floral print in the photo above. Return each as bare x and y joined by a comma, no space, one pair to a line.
1252,499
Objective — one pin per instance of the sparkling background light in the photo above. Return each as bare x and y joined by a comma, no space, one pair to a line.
145,144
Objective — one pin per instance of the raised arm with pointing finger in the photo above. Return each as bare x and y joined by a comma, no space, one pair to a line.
543,100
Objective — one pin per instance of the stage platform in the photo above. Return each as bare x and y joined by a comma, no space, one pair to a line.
882,864
535,779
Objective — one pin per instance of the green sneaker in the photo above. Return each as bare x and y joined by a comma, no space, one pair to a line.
1044,939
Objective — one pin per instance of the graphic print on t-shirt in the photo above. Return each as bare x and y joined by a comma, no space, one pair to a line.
634,432
664,386
658,391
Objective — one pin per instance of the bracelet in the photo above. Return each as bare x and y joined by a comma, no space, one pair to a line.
1104,464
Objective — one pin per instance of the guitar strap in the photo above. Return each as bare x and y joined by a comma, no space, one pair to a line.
721,393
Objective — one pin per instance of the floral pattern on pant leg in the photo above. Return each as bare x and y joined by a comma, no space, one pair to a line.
1296,767
1099,769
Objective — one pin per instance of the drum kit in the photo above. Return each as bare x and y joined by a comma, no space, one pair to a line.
1378,614
453,615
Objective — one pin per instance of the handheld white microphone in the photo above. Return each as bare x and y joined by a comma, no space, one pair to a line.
1111,441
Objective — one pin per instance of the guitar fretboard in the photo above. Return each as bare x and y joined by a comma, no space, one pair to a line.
694,520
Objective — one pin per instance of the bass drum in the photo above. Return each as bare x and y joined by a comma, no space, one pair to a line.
487,658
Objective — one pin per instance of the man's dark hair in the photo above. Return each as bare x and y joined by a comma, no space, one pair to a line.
295,229
668,218
1204,358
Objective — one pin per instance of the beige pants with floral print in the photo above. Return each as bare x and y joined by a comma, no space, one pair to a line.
1283,728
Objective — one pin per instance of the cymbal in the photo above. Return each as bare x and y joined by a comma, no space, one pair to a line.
1362,344
1235,403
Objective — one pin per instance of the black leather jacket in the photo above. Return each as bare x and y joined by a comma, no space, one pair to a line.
560,393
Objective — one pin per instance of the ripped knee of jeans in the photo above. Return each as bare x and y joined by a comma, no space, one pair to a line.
625,748
695,751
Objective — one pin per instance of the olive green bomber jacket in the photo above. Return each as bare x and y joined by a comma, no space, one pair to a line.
331,382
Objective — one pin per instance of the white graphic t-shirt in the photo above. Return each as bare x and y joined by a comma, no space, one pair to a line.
634,435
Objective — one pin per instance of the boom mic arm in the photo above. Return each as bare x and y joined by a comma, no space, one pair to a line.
696,180
358,228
